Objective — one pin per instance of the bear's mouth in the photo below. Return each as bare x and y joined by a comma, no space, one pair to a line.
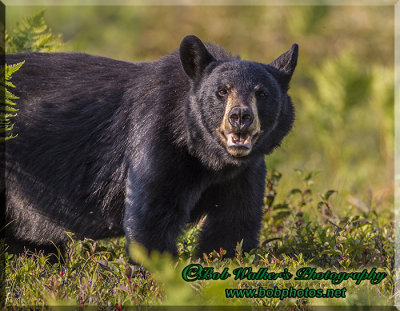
239,140
238,144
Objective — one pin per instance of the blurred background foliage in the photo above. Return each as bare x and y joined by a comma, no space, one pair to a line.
342,89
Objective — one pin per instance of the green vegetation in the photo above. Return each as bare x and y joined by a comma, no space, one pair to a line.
343,94
302,230
32,34
7,110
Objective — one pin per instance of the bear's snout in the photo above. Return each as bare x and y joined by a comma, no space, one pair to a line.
241,118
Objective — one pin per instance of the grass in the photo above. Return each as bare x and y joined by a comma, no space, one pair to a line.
302,229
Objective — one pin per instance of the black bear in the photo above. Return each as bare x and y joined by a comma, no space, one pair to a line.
109,147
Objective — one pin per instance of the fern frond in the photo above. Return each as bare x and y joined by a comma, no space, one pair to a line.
6,100
33,34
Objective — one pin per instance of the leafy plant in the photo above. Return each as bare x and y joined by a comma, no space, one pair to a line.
8,110
33,34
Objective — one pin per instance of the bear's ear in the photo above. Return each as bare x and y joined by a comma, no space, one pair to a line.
285,64
194,56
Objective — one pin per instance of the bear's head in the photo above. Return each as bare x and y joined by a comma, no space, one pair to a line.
237,109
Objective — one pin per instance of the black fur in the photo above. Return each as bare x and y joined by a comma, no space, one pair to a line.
107,147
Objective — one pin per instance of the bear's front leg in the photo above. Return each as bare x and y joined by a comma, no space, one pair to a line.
153,216
234,212
156,226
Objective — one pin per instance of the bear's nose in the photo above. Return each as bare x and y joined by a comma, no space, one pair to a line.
240,118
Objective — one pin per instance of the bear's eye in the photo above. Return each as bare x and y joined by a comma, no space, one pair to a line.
222,92
261,94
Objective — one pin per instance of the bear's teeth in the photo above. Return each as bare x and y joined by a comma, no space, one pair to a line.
230,140
238,140
247,140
